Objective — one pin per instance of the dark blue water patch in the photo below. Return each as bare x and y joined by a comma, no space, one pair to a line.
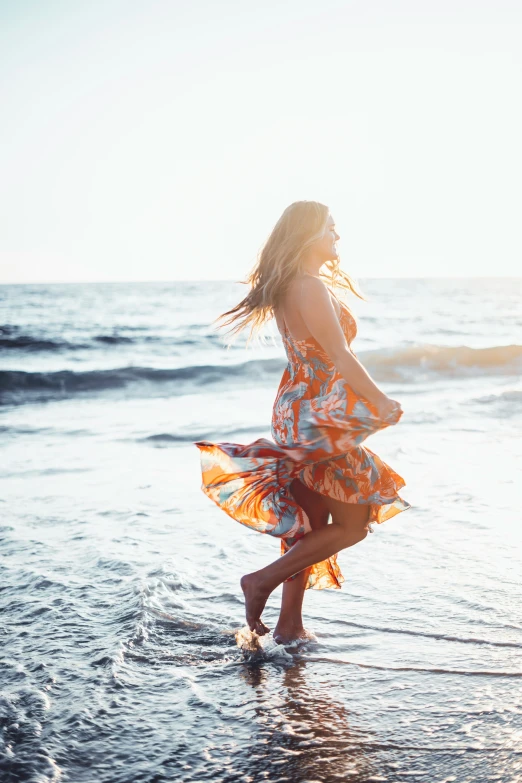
22,714
215,339
28,343
113,339
17,431
12,338
166,438
118,566
18,386
7,430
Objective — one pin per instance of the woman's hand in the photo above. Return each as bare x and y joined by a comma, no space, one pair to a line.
388,408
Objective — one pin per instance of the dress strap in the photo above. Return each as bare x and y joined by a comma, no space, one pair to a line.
285,332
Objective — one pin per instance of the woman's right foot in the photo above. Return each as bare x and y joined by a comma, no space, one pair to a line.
255,600
289,634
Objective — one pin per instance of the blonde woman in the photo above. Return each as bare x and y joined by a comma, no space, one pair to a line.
326,405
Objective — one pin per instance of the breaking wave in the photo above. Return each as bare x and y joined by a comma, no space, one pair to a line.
19,386
447,361
404,364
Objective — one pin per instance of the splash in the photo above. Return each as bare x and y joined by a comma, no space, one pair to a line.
257,648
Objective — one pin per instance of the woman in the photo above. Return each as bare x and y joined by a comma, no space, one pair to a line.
326,405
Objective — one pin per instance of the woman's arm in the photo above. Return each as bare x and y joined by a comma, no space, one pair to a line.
318,313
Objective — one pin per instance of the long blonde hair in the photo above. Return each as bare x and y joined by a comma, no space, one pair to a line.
279,262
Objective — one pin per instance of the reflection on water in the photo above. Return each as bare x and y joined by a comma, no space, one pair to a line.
301,731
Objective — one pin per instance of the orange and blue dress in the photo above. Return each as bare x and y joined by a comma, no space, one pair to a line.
318,425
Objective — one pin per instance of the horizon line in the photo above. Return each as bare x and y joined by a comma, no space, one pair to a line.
234,280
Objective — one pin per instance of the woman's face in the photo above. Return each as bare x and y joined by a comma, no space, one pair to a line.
325,247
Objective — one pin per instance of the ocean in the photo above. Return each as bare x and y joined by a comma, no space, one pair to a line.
119,590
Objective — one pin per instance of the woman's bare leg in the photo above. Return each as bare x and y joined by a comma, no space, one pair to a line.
290,623
349,526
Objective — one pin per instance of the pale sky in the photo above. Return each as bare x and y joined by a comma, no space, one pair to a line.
161,139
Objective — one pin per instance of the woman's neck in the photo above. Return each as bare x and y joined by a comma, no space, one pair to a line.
312,267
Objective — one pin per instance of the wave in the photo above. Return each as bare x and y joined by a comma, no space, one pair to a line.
406,365
396,364
190,437
25,342
17,386
507,403
166,437
446,361
11,338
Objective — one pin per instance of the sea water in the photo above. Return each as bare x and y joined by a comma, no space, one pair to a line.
119,592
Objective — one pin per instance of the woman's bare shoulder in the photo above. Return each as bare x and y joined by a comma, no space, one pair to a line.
305,287
313,292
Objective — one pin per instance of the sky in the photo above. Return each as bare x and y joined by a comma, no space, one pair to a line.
161,140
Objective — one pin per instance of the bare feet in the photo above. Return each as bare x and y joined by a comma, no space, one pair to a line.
285,634
255,600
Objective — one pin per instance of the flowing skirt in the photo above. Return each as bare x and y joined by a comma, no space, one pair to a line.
251,483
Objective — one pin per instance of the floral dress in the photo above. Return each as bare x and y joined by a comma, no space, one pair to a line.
318,425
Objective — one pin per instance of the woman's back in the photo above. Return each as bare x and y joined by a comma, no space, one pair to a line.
288,313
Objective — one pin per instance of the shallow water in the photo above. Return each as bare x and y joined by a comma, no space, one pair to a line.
120,595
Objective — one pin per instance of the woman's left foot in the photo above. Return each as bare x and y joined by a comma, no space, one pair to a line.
255,600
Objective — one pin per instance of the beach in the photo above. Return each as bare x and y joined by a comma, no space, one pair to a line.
120,595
